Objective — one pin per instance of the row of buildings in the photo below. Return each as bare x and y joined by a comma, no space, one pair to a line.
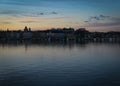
64,35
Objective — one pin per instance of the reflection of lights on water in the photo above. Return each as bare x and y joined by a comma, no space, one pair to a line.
26,48
26,43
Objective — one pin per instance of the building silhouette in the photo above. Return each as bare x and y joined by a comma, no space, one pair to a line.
59,35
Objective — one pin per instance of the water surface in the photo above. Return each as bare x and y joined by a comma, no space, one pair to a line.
92,64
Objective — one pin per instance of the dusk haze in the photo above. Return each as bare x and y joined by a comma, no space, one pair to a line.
94,15
59,42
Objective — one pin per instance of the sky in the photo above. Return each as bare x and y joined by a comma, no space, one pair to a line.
94,15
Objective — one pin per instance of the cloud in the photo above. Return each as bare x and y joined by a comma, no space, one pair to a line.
54,12
47,13
104,24
97,18
101,20
5,22
41,13
116,19
28,21
103,17
86,21
22,13
10,12
22,2
32,8
37,20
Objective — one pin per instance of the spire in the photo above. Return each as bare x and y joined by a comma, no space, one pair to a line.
29,29
26,29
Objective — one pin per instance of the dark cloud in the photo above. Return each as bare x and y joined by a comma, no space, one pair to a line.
41,13
47,13
104,24
54,12
16,13
95,21
97,18
115,19
10,12
86,21
104,17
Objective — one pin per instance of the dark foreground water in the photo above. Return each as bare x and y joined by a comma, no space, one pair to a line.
93,64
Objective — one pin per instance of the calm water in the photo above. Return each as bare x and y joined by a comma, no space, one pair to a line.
93,64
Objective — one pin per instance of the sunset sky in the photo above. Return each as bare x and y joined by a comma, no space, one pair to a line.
94,15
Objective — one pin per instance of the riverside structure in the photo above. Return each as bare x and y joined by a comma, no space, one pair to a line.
59,35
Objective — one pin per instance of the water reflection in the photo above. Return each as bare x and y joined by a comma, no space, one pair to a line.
69,45
59,64
27,44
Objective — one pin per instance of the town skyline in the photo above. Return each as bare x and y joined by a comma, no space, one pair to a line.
94,15
64,35
31,29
